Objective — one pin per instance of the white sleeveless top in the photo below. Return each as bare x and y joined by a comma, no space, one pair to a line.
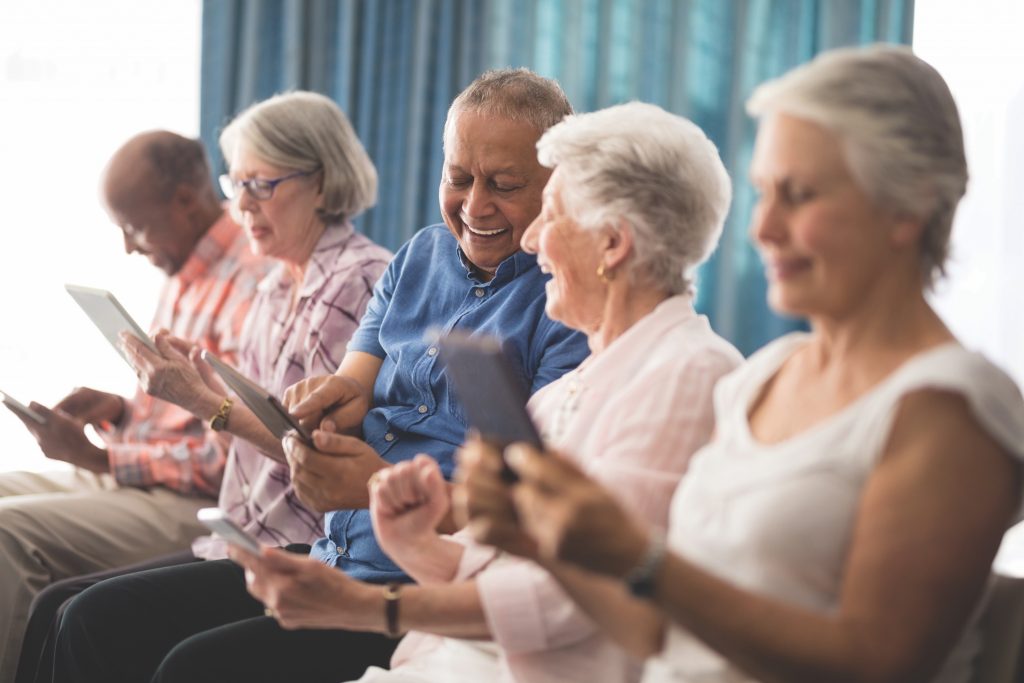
777,519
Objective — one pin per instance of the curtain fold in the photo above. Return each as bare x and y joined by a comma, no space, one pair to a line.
395,65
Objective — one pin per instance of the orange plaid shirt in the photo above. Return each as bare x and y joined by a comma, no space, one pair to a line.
206,302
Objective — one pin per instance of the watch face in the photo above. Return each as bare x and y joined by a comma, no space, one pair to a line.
644,588
219,422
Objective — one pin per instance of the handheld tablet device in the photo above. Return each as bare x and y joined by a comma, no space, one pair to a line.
20,408
219,523
263,404
107,313
491,394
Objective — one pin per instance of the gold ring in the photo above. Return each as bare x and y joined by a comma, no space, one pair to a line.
373,478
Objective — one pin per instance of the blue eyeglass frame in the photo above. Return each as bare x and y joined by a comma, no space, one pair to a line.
258,188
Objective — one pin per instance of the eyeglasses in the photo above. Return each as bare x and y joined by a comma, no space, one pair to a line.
258,188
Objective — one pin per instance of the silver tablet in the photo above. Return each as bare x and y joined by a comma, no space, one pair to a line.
107,313
20,408
217,521
262,403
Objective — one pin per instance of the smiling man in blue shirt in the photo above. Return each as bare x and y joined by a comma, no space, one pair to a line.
467,274
395,402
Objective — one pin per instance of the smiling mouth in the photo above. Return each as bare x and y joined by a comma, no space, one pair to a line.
783,269
485,233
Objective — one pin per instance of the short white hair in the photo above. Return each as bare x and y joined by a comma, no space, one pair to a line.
306,131
899,128
654,170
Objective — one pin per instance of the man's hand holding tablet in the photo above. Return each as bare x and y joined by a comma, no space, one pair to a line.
21,410
63,437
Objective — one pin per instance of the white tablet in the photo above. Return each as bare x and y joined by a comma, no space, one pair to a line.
20,408
107,313
262,403
217,521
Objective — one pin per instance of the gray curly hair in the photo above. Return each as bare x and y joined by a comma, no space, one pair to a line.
658,172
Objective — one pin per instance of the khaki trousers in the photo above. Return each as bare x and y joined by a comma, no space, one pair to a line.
63,524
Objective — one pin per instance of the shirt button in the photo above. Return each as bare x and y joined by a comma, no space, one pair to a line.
479,293
245,490
389,437
423,409
432,351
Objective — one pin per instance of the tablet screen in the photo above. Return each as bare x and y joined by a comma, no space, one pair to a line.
109,316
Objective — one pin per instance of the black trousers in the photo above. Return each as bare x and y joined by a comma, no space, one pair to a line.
196,623
37,649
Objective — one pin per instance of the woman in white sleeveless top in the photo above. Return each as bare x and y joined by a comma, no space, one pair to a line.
842,523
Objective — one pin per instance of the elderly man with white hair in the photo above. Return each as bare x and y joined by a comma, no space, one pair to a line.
636,202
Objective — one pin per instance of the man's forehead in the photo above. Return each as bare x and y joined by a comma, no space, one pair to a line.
497,168
494,157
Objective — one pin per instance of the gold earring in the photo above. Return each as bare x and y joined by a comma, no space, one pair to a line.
605,276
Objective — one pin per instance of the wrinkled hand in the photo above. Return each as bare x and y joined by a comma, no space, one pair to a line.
407,503
334,474
571,517
302,593
169,375
483,500
90,406
63,438
336,403
206,372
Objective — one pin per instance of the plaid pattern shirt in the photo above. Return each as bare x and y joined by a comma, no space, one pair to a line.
206,301
294,331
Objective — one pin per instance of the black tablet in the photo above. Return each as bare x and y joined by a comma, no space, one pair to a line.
492,395
262,403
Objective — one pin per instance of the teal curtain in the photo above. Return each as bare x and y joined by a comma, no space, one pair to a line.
395,65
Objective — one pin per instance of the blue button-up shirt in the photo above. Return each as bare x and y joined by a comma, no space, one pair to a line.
428,287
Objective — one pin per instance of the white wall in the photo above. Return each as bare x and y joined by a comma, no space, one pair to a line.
978,47
76,80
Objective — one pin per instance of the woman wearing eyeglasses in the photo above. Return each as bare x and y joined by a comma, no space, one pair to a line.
298,174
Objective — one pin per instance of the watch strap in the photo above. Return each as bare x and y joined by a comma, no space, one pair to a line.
640,579
219,421
392,594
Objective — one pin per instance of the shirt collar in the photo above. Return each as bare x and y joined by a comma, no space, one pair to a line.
513,266
209,250
321,262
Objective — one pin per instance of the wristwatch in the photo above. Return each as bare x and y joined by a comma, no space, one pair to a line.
640,579
392,593
219,422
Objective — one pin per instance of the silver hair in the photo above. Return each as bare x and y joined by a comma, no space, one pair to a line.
899,128
305,131
654,170
513,94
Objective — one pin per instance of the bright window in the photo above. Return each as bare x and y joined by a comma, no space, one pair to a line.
76,80
976,46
